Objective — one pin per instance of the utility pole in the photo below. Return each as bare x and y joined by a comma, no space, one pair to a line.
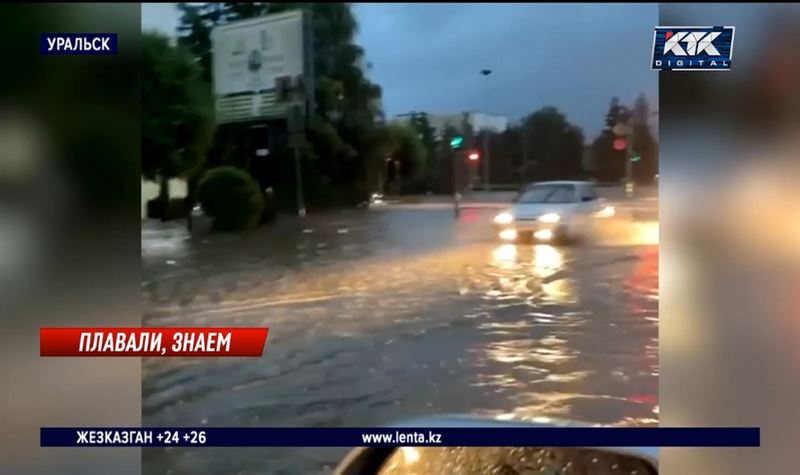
629,165
297,130
624,131
486,181
297,140
457,148
456,193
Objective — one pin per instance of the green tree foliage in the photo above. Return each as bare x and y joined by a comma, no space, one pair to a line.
508,156
616,113
177,113
427,136
231,197
554,144
610,163
407,148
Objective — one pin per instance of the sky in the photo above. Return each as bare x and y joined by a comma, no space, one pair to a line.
428,57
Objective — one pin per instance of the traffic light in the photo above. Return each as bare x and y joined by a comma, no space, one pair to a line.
474,156
457,142
620,144
636,158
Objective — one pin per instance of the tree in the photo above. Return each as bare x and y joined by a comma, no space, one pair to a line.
194,32
554,144
427,136
616,113
408,150
508,156
177,113
610,163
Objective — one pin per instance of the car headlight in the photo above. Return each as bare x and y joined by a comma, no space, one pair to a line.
550,218
503,218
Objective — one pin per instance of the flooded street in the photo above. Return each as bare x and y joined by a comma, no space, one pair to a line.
381,315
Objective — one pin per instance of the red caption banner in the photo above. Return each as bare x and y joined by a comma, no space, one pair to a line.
152,341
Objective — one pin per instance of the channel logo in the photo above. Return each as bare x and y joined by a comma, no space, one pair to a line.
692,48
70,44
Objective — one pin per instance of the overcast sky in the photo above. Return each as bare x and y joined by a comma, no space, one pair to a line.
428,57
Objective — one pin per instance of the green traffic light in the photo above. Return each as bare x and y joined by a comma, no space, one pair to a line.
635,158
456,141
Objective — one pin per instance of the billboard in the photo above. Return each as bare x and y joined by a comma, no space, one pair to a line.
248,55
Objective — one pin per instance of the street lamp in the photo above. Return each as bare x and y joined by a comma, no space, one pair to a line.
486,73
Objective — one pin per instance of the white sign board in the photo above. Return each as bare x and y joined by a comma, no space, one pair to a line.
249,55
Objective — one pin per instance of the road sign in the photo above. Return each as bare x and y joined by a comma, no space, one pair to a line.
251,61
250,54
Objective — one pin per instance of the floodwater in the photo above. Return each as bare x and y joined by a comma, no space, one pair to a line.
376,316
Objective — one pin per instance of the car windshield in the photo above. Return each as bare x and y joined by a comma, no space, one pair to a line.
548,194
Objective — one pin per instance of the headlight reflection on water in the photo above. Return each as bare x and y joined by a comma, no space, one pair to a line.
646,232
547,260
505,256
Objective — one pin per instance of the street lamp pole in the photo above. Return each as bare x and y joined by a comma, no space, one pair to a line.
487,185
624,131
629,165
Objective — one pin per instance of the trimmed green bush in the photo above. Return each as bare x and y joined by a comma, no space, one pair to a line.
232,197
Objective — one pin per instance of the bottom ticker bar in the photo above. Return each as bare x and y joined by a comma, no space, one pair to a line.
383,437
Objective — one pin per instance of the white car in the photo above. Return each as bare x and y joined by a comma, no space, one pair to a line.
553,210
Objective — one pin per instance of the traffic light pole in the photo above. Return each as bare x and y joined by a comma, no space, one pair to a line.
487,182
456,194
625,130
629,168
